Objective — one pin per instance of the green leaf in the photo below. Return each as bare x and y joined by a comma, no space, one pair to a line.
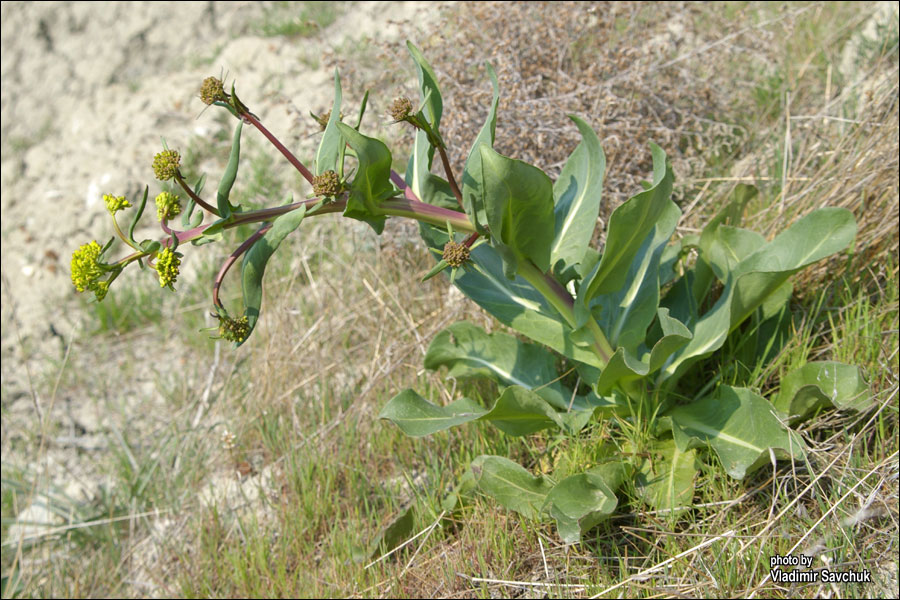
760,275
665,480
150,246
519,411
417,417
576,196
516,412
225,207
372,183
330,155
137,215
822,384
629,226
468,351
472,194
511,485
626,313
362,110
580,502
419,164
518,200
190,219
739,425
514,302
254,265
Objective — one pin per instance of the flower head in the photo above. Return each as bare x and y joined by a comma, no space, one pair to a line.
401,108
86,270
323,119
212,90
327,185
165,164
167,206
234,330
115,203
455,254
167,263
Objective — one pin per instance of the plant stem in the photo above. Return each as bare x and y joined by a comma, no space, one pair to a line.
450,178
563,302
232,258
427,213
281,148
195,197
120,234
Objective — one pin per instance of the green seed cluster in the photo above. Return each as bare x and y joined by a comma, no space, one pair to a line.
115,203
234,330
327,185
165,164
167,206
401,108
167,264
455,254
212,90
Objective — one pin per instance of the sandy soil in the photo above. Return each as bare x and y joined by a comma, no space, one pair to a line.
87,91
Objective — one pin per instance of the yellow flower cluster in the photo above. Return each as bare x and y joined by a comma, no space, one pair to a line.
86,270
167,206
115,203
167,264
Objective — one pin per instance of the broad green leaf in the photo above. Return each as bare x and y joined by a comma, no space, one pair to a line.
419,164
728,247
626,366
514,302
254,265
417,417
511,485
665,480
579,502
468,351
623,366
625,314
821,384
227,182
739,425
519,411
518,200
576,196
629,226
372,183
472,178
675,335
330,155
755,278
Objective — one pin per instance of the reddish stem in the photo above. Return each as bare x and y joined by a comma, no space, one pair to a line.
232,258
450,178
281,148
195,197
